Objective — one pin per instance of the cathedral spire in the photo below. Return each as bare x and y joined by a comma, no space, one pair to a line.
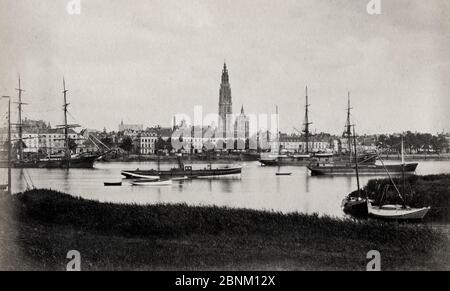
225,102
225,77
242,110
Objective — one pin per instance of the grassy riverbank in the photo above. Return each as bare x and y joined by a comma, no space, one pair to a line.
421,191
163,237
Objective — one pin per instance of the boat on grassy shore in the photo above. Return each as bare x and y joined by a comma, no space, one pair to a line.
358,204
397,212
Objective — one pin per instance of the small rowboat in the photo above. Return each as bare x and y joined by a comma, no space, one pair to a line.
150,182
131,175
283,174
111,184
397,212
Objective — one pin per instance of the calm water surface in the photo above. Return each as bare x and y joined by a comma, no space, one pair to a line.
258,188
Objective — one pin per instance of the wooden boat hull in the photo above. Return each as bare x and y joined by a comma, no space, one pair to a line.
356,207
152,183
396,212
112,184
285,161
86,162
134,175
305,161
319,170
179,173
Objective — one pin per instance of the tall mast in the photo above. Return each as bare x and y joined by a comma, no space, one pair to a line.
278,131
9,144
403,175
348,128
66,127
9,147
356,159
307,123
20,125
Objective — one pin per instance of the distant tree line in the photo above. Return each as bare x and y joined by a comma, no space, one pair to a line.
414,143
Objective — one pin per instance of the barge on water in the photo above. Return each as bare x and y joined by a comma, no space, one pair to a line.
187,171
183,171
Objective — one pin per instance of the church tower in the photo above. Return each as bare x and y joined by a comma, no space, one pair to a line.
225,104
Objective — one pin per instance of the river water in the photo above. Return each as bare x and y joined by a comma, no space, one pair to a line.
257,188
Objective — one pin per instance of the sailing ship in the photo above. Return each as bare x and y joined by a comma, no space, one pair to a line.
66,160
358,203
277,159
396,211
365,163
308,157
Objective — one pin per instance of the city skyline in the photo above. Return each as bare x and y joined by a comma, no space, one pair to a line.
145,70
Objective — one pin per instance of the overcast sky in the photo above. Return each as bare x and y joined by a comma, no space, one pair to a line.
143,60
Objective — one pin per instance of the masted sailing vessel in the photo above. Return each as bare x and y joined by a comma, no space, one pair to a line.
366,163
67,159
308,157
358,203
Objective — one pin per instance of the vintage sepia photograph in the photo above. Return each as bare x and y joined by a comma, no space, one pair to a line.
218,136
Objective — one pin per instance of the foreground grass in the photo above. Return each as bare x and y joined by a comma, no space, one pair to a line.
166,237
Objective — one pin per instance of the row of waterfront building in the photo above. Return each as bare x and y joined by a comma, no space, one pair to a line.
48,141
232,133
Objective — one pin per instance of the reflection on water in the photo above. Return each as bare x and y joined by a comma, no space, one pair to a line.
258,188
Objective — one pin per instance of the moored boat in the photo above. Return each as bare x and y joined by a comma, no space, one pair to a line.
348,169
397,212
85,161
151,182
362,206
183,171
283,174
355,206
136,175
112,184
67,159
186,172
